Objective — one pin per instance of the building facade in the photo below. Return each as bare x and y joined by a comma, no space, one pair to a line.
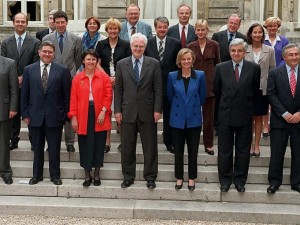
215,11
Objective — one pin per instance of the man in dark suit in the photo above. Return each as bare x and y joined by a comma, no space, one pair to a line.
45,100
164,49
68,53
132,24
283,93
184,13
22,48
235,84
8,109
40,34
224,38
138,106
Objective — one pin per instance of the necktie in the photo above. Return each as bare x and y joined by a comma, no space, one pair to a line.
161,50
183,38
133,29
236,72
136,71
61,43
230,38
19,44
293,82
45,78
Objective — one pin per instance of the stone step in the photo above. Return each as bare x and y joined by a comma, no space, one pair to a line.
165,191
115,137
112,171
149,209
164,157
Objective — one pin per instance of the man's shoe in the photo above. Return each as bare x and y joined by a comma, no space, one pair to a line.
225,188
56,181
272,189
126,183
119,148
151,184
296,188
170,148
35,180
13,145
7,180
70,148
240,188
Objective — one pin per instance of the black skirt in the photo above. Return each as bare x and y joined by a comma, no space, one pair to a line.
91,145
261,105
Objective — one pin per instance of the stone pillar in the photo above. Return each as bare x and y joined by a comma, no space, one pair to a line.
1,12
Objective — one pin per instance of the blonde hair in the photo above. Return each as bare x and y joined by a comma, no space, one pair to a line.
202,23
181,53
272,20
113,22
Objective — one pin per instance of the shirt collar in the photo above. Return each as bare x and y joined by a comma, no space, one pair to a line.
267,38
140,59
43,64
180,26
158,40
64,34
179,75
22,36
240,63
228,33
288,68
129,26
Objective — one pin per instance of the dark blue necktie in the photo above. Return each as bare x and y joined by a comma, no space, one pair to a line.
136,71
230,38
61,43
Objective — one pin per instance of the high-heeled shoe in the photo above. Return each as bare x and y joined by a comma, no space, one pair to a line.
178,186
191,187
256,154
97,182
87,183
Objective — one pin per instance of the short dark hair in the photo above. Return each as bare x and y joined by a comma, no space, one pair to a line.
60,14
92,18
47,43
161,19
250,30
89,52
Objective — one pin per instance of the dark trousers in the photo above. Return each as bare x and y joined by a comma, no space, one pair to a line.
192,137
53,137
167,133
148,133
279,140
241,136
5,169
208,122
16,123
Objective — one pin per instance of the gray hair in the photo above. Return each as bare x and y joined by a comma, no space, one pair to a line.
238,41
138,36
161,19
288,46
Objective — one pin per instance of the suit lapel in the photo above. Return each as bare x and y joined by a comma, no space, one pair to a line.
153,47
297,92
51,76
129,68
225,39
25,44
13,46
145,68
243,75
58,55
37,74
191,89
264,52
177,34
68,43
285,80
2,65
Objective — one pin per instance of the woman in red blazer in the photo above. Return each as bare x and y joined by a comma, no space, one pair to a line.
91,97
207,54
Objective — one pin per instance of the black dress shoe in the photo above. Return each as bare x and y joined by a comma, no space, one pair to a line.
70,148
35,180
265,135
106,148
7,180
127,183
210,152
240,188
272,189
151,184
97,182
191,187
119,148
296,188
225,188
170,148
179,186
56,181
88,182
13,145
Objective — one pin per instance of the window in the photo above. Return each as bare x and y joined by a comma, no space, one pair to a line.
32,8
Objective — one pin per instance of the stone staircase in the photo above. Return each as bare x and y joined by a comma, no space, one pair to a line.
205,203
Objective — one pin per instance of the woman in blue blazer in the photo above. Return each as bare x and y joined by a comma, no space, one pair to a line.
186,93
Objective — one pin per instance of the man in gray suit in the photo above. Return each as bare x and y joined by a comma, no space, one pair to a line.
8,109
132,25
138,107
68,52
22,48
